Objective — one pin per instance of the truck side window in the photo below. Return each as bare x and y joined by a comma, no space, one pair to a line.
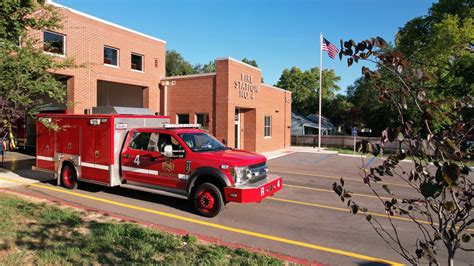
140,140
153,144
164,140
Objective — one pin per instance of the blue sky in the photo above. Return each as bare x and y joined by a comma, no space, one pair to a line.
278,34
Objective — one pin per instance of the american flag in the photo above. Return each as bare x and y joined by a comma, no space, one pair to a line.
330,48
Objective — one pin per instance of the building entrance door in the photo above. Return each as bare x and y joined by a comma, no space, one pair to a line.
237,128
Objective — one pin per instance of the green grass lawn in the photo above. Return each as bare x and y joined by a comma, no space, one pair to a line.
43,234
349,151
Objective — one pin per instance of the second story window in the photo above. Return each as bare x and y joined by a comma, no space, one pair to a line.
110,56
54,43
183,118
203,120
137,62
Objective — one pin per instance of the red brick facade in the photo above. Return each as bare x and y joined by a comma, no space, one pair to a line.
234,86
86,37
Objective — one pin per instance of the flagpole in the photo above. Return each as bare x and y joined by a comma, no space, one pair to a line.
320,87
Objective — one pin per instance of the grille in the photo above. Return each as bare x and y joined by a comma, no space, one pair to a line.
251,167
259,172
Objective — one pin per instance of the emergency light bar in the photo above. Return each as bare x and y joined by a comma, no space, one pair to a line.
182,125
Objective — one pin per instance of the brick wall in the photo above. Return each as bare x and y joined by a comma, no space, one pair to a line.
190,95
85,40
218,95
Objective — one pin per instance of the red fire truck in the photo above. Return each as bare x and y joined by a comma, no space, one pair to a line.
145,152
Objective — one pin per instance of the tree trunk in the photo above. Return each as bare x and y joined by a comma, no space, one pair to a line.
450,258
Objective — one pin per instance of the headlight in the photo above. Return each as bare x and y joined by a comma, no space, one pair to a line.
241,175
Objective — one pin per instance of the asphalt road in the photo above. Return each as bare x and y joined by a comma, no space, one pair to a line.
305,220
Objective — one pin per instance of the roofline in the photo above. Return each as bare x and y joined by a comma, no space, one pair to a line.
51,2
276,88
189,76
237,61
309,125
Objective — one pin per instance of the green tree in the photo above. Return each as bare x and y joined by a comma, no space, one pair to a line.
251,62
209,67
441,44
206,68
26,78
373,111
176,65
340,111
440,200
304,86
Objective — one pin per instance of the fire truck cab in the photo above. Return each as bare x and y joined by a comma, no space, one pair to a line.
145,152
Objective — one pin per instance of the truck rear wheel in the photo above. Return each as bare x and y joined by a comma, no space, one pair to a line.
69,177
208,200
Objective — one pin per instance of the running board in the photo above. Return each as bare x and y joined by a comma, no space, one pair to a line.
157,190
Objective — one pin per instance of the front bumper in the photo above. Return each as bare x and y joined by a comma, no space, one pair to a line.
254,192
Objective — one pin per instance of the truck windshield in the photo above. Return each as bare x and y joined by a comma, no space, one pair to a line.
199,142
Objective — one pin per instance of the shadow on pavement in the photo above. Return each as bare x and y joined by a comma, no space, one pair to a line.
21,163
176,203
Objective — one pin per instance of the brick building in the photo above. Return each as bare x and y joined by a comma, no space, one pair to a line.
232,104
122,67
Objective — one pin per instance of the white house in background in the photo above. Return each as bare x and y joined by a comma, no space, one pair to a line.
308,125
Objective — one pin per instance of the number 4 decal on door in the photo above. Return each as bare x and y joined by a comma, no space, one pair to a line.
137,160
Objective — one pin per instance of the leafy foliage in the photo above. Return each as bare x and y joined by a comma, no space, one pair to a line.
441,44
304,86
441,202
26,80
176,65
251,62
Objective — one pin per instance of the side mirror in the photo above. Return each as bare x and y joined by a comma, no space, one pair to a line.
168,151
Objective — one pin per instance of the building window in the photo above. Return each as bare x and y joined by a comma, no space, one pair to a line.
137,62
203,120
54,43
110,56
183,118
268,126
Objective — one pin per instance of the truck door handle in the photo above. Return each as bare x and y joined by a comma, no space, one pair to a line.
127,156
153,159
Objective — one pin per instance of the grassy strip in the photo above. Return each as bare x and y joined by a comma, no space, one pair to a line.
349,151
39,233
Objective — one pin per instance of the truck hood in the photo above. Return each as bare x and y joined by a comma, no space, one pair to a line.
234,157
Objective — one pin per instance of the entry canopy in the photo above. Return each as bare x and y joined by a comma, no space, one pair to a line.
121,110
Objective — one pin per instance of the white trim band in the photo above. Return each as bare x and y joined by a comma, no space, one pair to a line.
139,170
96,166
43,158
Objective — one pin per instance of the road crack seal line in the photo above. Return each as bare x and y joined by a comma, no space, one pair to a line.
217,226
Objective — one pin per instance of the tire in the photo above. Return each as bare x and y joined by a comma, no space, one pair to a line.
69,177
208,200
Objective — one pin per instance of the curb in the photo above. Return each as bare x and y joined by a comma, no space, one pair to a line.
179,232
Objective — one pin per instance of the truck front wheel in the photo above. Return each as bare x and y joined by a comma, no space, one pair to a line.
208,200
69,177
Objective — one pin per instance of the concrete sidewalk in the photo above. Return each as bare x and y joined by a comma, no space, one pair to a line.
279,153
9,179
